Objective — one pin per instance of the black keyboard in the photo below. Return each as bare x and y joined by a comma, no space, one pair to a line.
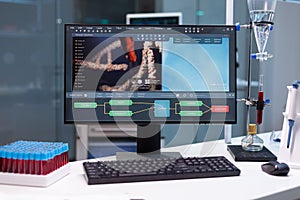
158,169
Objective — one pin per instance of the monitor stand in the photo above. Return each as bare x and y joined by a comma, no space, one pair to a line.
148,144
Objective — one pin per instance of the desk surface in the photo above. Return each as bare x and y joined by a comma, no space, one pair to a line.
251,184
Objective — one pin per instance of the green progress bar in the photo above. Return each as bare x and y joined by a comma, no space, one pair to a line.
191,113
120,113
85,105
190,103
120,102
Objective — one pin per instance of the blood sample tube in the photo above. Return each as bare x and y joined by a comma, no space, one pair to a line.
52,160
9,161
37,163
65,154
26,163
13,167
56,158
60,159
20,163
1,159
43,163
4,161
31,163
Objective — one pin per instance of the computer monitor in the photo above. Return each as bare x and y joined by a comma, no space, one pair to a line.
150,75
154,18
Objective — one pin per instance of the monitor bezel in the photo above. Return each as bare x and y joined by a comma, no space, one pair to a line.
233,55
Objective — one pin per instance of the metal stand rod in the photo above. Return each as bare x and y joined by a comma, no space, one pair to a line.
249,78
249,62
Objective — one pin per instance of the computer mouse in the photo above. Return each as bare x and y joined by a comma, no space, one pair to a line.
275,168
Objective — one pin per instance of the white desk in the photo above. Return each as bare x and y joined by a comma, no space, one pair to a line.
251,184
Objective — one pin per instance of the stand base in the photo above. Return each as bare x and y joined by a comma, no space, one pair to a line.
239,154
140,156
35,180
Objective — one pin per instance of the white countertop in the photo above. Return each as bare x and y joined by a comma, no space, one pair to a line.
253,183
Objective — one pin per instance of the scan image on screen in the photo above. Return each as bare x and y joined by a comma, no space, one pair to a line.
120,64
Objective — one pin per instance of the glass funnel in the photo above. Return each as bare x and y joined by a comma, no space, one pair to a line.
262,14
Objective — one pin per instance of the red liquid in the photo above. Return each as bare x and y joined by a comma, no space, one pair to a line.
65,157
5,165
50,165
31,167
37,167
9,165
26,167
21,166
259,115
44,167
54,163
1,164
14,167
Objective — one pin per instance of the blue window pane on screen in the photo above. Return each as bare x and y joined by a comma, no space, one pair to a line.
162,108
195,67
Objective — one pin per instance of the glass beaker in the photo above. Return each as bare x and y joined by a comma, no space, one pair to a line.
262,10
262,15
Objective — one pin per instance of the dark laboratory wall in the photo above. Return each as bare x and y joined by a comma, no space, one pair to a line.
31,61
27,61
31,75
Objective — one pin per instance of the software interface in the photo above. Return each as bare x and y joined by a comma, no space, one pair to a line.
150,73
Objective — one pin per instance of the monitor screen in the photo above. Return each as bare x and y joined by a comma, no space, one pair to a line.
154,18
143,74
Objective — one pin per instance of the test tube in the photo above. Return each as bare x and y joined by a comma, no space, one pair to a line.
20,163
4,161
50,164
56,158
43,163
9,161
37,163
26,163
260,107
31,163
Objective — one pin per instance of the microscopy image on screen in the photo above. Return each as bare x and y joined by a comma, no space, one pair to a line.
117,64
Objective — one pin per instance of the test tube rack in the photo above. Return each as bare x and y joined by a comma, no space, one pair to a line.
33,163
